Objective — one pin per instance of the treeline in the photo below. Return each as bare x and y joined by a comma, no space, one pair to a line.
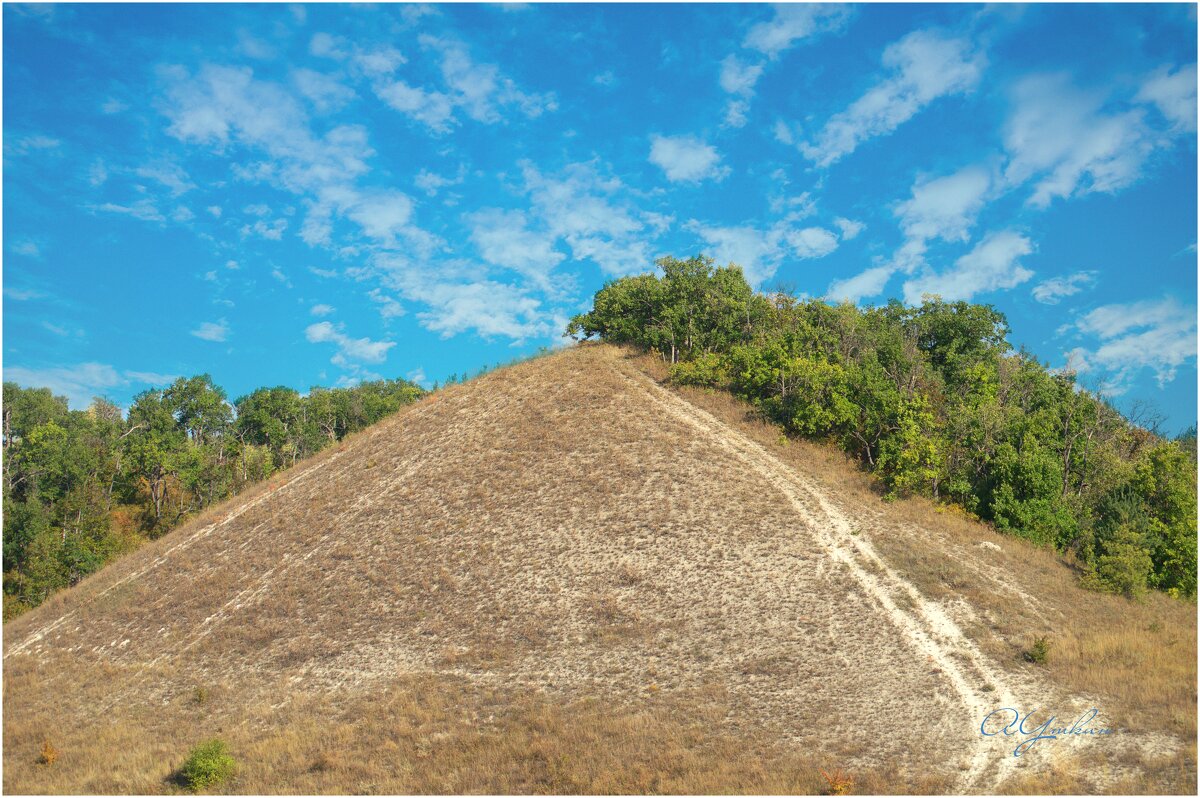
81,486
934,401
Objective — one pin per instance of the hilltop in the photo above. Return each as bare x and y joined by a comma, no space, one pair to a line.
565,577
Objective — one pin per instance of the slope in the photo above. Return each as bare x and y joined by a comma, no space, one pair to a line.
567,537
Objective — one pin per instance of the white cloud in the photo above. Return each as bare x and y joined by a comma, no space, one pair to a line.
924,66
349,349
480,90
431,108
1063,138
812,242
944,207
79,383
143,209
113,106
324,45
738,77
431,183
212,331
272,231
23,294
379,62
26,247
737,113
868,283
584,209
151,377
220,106
322,310
383,215
489,308
215,211
1174,93
1155,334
325,92
849,227
503,239
253,47
686,159
1054,290
417,375
993,264
757,252
26,144
389,308
605,79
793,22
783,133
97,173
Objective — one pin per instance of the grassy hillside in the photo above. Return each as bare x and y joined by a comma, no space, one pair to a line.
564,578
935,402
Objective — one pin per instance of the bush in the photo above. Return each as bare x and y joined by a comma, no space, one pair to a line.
707,370
49,754
1039,652
1125,565
207,765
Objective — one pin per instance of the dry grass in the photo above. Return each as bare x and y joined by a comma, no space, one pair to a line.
534,582
1137,659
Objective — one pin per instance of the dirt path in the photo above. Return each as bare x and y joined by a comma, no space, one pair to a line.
980,685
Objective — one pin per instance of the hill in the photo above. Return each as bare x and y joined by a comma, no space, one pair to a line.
565,577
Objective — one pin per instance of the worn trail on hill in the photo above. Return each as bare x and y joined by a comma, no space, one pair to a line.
924,623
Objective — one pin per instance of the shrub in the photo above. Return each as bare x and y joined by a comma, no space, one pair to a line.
1039,652
1125,566
708,371
839,783
49,754
207,765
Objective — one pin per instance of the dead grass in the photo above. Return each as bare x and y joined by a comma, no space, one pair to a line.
1137,659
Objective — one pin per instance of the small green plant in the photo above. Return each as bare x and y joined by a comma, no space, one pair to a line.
1039,652
199,696
207,765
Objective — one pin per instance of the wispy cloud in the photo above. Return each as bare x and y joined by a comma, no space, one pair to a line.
216,331
1065,141
82,382
1055,290
793,22
923,66
1159,335
362,350
992,265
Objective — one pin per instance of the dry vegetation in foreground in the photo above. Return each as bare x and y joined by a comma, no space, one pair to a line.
441,735
537,583
1137,658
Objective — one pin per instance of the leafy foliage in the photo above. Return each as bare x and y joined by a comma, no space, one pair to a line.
83,486
207,765
933,400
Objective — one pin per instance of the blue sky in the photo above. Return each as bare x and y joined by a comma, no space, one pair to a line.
320,194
